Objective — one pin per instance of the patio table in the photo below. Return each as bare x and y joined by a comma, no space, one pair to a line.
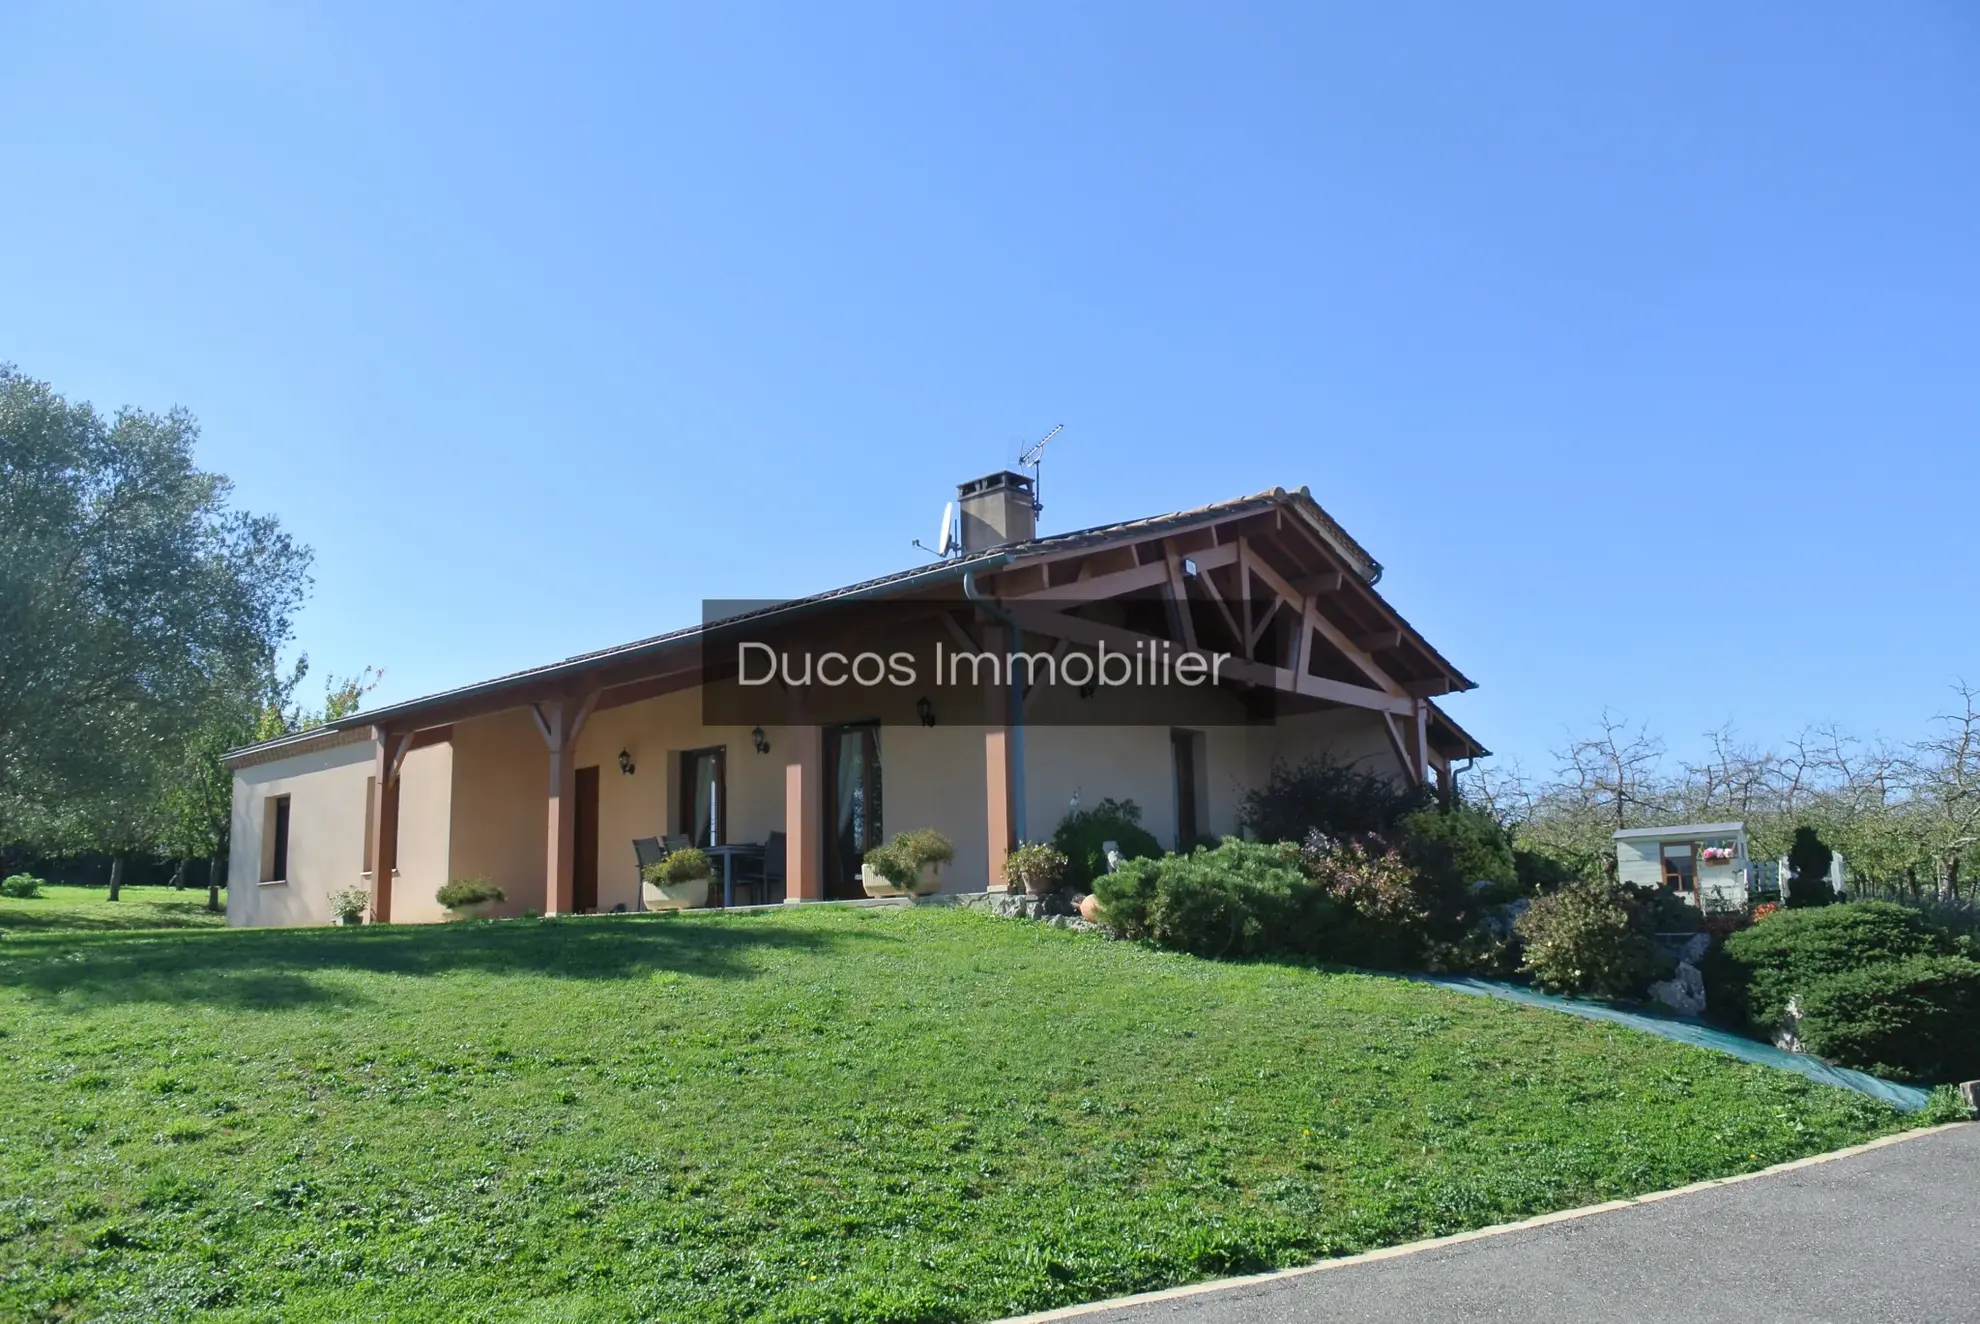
728,855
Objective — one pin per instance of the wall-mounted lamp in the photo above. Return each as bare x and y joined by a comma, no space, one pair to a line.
761,741
925,711
1189,567
625,763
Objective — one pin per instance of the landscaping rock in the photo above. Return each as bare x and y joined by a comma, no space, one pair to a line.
1683,992
1787,1035
1694,950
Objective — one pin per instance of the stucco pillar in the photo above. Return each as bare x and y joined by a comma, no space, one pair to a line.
560,864
560,721
804,792
997,799
1000,754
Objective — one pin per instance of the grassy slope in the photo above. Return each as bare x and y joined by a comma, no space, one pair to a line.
833,1114
91,909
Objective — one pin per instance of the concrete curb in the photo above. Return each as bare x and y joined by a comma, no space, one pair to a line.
1458,1238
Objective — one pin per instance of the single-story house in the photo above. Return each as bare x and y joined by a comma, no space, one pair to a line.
1168,660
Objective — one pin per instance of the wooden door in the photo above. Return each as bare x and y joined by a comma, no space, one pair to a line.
584,827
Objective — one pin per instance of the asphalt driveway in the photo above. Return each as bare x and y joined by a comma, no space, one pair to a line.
1891,1234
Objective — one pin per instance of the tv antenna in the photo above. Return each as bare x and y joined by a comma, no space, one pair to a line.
1033,459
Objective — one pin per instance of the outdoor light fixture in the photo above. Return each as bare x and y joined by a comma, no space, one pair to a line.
925,711
625,763
761,741
1189,567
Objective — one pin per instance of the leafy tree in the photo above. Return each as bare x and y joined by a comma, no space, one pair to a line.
136,607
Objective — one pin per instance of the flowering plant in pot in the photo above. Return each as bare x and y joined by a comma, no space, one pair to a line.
350,904
1035,867
470,898
678,880
909,865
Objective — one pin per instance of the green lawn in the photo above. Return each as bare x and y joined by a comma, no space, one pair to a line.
90,908
830,1114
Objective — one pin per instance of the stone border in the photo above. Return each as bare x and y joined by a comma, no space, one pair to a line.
1458,1238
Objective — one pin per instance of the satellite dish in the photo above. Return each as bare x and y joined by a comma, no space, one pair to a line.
944,543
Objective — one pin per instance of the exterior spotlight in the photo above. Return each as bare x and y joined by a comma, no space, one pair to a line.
925,711
761,741
625,763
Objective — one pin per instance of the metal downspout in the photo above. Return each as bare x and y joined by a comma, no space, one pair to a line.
992,606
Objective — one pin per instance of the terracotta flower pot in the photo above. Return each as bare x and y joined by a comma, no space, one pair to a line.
1089,908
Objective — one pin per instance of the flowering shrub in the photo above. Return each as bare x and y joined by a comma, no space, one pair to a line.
1764,909
1589,938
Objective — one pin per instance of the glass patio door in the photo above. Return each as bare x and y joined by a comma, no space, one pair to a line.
852,803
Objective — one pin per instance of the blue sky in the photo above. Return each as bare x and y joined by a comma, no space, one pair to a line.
1640,341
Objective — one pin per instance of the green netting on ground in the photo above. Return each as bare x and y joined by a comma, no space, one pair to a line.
1907,1097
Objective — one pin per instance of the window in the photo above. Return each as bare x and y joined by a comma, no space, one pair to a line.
1186,751
704,796
1680,867
275,841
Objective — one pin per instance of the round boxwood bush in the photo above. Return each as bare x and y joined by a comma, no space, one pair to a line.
1750,976
1083,834
1913,1019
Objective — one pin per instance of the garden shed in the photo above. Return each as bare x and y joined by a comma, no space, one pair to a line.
1705,863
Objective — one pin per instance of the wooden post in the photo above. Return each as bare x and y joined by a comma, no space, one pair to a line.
804,791
388,752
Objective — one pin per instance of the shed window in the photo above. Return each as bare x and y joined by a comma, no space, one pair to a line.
1680,867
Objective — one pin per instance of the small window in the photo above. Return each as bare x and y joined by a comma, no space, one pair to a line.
1680,867
276,854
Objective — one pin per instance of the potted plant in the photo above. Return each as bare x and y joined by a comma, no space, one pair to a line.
677,880
909,865
469,898
349,905
1034,867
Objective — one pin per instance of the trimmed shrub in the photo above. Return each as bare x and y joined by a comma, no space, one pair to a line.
1589,938
1915,1019
1808,871
1241,899
469,892
20,886
1750,976
1325,796
1475,843
1082,836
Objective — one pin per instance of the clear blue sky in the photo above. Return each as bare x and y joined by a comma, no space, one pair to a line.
1640,341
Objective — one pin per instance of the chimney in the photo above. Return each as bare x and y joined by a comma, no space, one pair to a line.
996,510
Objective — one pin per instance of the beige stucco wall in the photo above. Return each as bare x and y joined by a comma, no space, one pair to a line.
426,791
498,815
326,791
